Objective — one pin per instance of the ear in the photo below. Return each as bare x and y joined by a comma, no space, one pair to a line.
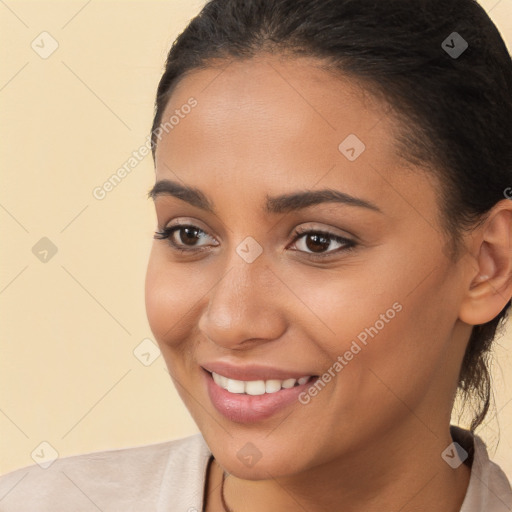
490,286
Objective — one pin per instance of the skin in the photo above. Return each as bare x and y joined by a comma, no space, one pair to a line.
372,438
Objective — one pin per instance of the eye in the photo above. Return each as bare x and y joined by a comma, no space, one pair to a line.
318,241
184,237
186,234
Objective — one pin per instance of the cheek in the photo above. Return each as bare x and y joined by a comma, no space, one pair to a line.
171,294
346,306
401,359
389,338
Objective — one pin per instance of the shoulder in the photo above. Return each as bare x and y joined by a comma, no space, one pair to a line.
489,489
492,491
128,478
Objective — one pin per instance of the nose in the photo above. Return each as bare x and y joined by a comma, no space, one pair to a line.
244,307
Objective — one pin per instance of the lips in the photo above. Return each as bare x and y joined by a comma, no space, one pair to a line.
245,398
244,408
254,372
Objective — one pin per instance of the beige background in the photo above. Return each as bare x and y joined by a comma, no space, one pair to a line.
68,374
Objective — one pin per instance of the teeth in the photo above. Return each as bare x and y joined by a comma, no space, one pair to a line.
235,386
253,387
288,383
271,386
217,379
256,387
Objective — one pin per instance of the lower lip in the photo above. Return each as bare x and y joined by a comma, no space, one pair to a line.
242,408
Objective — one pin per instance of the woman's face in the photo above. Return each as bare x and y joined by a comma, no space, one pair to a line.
366,299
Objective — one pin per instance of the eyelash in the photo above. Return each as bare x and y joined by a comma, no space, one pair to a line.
350,245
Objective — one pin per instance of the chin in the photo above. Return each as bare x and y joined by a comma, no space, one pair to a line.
250,459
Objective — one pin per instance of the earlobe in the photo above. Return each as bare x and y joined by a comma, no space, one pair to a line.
490,288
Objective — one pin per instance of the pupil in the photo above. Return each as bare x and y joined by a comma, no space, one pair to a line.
190,237
321,239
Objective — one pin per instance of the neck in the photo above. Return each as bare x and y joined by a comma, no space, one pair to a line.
381,476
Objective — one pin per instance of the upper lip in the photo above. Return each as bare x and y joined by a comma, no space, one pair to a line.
250,372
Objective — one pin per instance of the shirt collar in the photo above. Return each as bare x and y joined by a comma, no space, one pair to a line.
489,489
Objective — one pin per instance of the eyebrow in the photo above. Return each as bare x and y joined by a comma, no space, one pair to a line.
274,205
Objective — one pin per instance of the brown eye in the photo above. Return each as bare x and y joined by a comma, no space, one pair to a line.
187,235
317,243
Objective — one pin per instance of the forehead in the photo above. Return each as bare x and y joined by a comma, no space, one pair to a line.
278,123
272,100
271,108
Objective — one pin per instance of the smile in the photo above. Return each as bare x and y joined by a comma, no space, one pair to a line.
257,387
250,401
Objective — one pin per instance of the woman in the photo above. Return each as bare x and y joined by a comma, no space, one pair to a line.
331,265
